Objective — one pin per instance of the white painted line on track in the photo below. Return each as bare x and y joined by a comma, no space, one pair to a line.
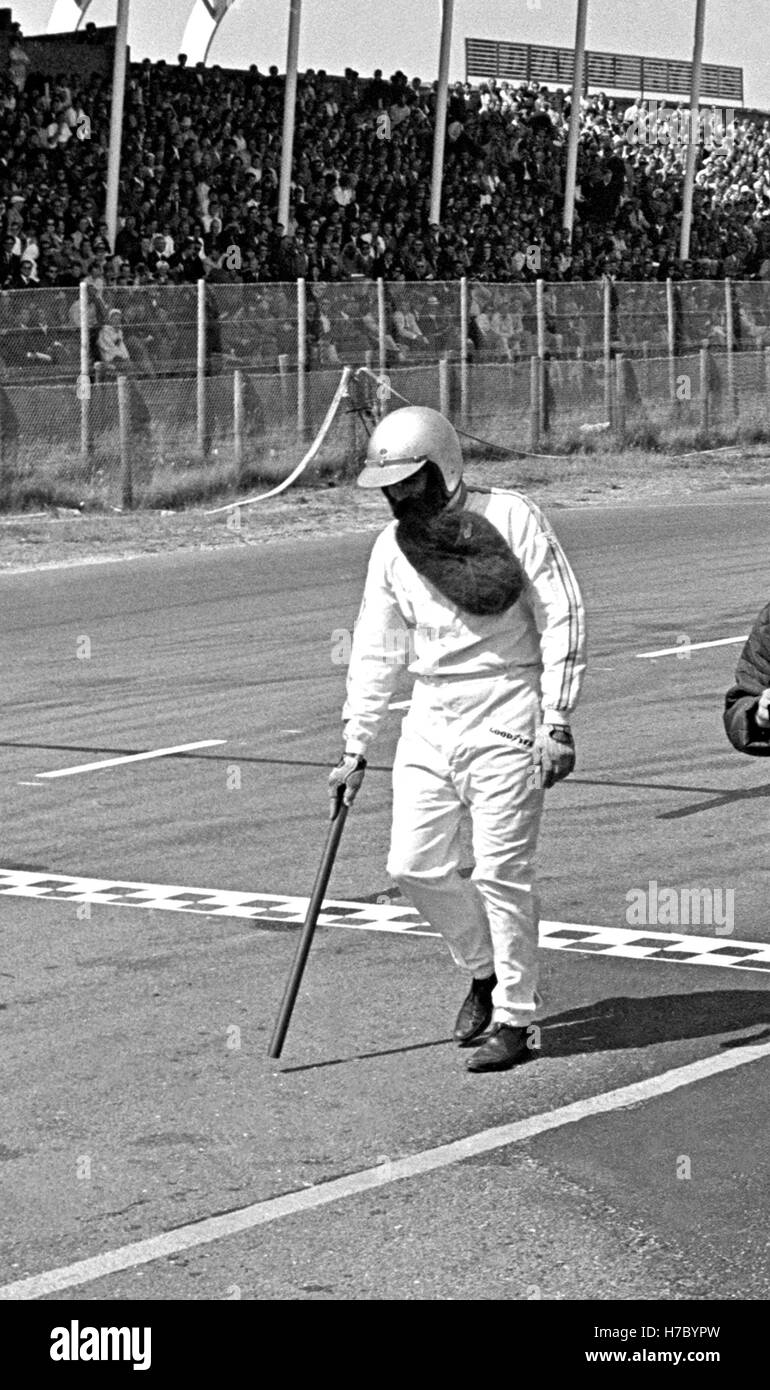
276,910
233,1223
692,647
133,758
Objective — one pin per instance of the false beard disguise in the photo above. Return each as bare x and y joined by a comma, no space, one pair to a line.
459,552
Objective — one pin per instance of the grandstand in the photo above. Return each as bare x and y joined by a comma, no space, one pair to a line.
199,183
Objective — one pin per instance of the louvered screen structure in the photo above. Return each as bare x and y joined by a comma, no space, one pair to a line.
525,62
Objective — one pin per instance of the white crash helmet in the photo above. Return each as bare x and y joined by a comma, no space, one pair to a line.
406,439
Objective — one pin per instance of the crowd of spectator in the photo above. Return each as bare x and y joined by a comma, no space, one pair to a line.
199,191
200,170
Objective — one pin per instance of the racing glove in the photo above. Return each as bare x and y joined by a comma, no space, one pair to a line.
553,755
762,713
345,780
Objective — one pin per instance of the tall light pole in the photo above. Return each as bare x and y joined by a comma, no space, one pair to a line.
439,133
568,216
116,120
693,130
289,104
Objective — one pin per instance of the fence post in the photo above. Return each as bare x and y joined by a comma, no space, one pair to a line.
5,469
352,459
730,341
238,422
443,386
201,370
607,349
540,311
671,326
124,429
382,353
767,377
534,402
543,380
301,359
620,398
283,371
84,380
703,388
464,350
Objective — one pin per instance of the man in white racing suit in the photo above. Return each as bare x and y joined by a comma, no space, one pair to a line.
474,585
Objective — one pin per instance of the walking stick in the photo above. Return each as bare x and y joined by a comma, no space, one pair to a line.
308,930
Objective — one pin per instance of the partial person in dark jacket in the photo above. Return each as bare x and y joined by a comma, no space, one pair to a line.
747,703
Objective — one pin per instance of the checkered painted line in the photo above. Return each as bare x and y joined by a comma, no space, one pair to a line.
276,910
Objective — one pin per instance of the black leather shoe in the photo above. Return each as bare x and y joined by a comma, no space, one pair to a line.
476,1010
504,1047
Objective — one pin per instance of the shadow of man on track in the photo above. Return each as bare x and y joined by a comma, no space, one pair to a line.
614,1024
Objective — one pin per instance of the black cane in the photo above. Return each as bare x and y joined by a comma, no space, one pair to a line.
306,939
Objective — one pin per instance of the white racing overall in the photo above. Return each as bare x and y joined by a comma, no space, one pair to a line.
482,686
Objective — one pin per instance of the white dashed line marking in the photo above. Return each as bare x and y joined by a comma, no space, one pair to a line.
133,758
692,647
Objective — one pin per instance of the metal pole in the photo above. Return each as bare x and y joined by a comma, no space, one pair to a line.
540,309
574,118
301,359
730,345
201,368
443,386
283,371
238,421
620,396
116,120
543,379
382,354
464,350
607,348
534,402
84,380
124,427
671,326
439,133
704,388
289,104
692,148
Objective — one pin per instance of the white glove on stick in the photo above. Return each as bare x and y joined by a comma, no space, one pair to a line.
345,780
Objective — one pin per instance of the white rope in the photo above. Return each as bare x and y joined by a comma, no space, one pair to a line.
342,390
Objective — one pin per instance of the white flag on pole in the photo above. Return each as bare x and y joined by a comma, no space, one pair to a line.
67,15
205,19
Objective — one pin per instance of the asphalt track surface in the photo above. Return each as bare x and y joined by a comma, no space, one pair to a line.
139,1099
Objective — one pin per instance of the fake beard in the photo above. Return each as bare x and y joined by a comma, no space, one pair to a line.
459,552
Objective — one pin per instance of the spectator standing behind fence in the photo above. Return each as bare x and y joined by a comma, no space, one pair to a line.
111,345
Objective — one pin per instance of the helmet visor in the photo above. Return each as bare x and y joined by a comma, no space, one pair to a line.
388,472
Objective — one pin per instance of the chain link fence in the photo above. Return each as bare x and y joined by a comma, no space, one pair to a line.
49,335
160,396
